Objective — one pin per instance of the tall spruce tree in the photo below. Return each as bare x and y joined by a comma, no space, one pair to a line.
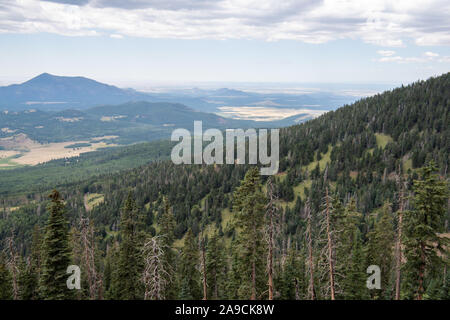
129,264
6,288
56,252
380,250
293,282
215,267
349,257
249,207
424,247
189,273
355,281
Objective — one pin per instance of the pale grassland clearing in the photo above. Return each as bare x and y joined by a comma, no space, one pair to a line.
383,139
262,113
62,119
21,150
7,130
111,118
93,199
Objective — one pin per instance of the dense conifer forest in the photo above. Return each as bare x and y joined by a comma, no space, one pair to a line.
364,185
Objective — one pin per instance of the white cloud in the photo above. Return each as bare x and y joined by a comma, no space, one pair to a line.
380,22
386,53
431,54
116,36
428,56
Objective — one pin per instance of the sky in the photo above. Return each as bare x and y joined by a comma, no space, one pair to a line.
139,42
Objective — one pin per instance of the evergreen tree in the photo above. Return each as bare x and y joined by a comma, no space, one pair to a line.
216,267
6,289
381,250
349,256
28,281
423,225
249,206
293,284
34,265
355,281
189,273
110,273
129,264
56,253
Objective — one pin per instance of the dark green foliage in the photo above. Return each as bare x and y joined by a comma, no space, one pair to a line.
188,269
129,263
423,225
366,142
380,250
6,288
56,254
249,206
216,267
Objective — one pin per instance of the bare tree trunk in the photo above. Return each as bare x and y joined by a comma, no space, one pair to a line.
13,267
205,292
154,270
88,243
270,271
311,289
330,246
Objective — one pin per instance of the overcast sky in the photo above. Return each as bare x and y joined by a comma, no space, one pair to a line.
143,41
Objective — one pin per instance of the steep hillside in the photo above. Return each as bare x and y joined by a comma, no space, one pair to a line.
362,149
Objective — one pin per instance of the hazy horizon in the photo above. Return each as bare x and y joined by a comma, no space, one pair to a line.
135,43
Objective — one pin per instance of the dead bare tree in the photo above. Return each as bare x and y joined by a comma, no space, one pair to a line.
328,250
13,265
155,271
310,264
87,238
203,267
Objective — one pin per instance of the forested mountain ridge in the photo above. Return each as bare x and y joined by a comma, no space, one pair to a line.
356,168
129,122
52,92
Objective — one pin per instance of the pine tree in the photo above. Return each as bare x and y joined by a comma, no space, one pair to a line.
129,264
248,206
189,273
380,249
355,281
110,273
347,264
215,267
6,289
28,281
423,225
34,266
293,284
56,253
